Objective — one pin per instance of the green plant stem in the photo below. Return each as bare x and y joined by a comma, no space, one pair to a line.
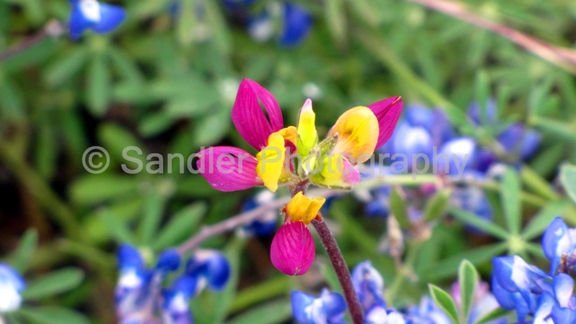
52,29
404,273
341,270
28,177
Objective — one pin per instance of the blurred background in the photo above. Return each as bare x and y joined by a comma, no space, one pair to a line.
165,81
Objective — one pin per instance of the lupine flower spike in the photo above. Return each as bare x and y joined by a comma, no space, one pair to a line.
91,14
329,308
294,155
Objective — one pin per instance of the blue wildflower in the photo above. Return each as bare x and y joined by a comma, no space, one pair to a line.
267,223
210,267
427,312
296,24
558,241
11,287
368,285
329,308
176,304
91,14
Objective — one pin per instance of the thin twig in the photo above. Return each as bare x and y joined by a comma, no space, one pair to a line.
562,57
52,29
341,270
241,220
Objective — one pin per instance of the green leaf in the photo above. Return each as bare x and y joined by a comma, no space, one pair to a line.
482,91
181,225
510,195
97,188
187,22
468,280
437,205
123,146
222,37
64,68
447,267
21,257
538,223
98,89
538,184
117,228
11,101
153,210
269,313
560,129
52,315
154,124
398,206
53,283
444,301
336,20
210,129
568,179
479,222
493,315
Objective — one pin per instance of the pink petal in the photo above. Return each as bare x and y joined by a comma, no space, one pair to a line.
350,174
228,168
292,250
249,118
387,112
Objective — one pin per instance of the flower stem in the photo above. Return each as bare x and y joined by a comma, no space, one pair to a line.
52,29
341,270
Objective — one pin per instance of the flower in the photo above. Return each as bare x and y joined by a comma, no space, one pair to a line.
427,312
137,285
91,14
11,287
176,303
211,267
329,308
264,225
483,303
368,285
330,163
558,241
292,250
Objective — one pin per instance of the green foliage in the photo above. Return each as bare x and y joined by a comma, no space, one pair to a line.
166,83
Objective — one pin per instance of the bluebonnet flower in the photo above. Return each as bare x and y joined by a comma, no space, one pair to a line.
91,14
138,285
141,297
517,285
288,22
483,303
368,285
11,287
267,223
328,308
210,267
559,242
427,313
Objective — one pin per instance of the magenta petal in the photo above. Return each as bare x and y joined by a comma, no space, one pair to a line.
387,111
249,118
292,250
228,168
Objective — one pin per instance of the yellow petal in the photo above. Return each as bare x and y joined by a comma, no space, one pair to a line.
307,135
289,133
357,131
271,161
304,209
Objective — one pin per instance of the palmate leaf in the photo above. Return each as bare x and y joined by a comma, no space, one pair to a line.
444,301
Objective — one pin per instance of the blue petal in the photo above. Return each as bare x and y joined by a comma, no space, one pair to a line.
77,23
530,144
556,241
333,303
368,285
169,260
129,257
9,277
421,116
457,153
413,142
111,17
563,288
487,116
503,296
563,315
442,128
544,310
297,23
377,315
511,137
300,301
212,265
186,285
